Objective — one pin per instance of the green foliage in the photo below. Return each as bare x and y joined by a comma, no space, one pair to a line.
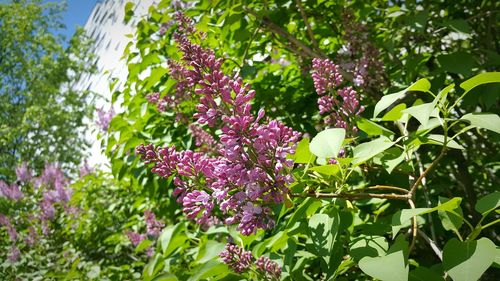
411,196
356,201
42,114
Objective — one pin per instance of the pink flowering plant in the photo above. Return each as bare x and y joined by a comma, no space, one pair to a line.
307,156
29,208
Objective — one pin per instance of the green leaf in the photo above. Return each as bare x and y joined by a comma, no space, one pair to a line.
327,143
424,274
488,203
386,101
368,246
166,277
422,85
172,238
371,128
329,170
94,272
443,94
323,231
155,76
421,112
480,79
365,151
209,251
300,212
488,121
391,267
439,140
467,261
395,113
402,217
302,153
390,158
129,11
459,62
143,245
459,25
451,220
210,269
154,265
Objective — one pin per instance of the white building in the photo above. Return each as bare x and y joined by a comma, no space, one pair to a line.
106,27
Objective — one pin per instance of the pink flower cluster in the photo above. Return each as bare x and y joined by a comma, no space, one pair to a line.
38,204
240,260
183,91
203,139
104,118
250,172
360,56
12,191
23,173
153,229
85,169
339,105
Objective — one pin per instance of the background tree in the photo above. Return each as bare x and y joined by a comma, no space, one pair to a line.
41,112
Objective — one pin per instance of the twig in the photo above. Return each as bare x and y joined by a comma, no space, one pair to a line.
426,195
351,195
245,53
414,226
422,176
387,187
308,26
283,33
431,243
303,50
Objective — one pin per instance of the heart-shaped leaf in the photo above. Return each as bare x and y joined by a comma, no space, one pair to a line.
467,261
368,150
488,202
327,143
487,121
391,267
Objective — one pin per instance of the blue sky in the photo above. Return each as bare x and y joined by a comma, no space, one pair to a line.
75,15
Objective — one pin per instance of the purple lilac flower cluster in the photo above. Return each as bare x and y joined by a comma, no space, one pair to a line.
183,91
23,173
11,192
104,118
203,139
153,229
360,56
49,190
338,104
250,172
85,169
240,261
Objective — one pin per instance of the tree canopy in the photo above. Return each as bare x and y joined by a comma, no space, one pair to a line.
41,112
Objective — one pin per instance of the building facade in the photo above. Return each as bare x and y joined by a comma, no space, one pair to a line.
108,30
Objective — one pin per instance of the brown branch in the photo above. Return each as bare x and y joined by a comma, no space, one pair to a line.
308,26
351,196
387,187
302,49
414,226
285,34
422,176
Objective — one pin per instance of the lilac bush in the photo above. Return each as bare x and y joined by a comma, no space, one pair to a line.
153,229
33,210
249,172
337,105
